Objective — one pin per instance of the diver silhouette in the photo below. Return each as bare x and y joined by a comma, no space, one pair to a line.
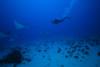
57,21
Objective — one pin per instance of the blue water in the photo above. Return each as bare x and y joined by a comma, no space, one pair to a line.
28,24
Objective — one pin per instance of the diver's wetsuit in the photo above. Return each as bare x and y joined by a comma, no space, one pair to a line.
57,21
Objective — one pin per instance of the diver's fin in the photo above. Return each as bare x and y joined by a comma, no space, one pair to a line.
18,25
66,17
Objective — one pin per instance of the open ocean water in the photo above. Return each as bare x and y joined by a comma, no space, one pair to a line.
49,33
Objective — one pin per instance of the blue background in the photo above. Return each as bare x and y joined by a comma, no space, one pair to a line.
36,16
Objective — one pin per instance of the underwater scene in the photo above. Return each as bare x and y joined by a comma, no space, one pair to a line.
49,33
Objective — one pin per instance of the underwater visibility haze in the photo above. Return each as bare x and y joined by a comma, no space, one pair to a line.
49,33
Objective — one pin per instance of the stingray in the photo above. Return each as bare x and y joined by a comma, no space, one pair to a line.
18,25
57,21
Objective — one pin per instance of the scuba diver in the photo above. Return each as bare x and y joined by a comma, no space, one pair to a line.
57,21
